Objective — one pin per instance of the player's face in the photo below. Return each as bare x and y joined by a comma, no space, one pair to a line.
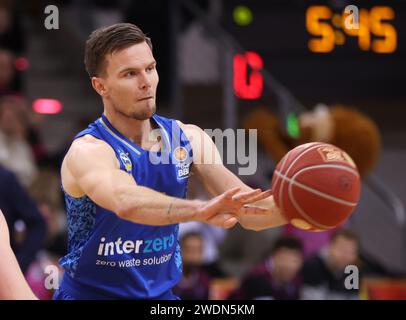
131,81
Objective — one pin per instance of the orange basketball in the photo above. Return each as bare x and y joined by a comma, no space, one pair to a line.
316,186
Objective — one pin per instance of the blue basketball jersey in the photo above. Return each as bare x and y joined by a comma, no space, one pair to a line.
111,258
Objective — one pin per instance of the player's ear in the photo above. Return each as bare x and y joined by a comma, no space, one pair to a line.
98,85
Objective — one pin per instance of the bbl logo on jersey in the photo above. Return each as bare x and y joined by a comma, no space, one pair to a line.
181,154
125,159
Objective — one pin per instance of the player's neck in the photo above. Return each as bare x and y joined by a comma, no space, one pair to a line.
135,130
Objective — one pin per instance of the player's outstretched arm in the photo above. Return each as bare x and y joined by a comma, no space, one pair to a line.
209,168
91,168
12,282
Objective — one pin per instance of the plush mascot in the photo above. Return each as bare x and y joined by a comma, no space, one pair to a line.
342,126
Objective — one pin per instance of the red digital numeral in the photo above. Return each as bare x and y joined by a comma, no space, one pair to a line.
248,86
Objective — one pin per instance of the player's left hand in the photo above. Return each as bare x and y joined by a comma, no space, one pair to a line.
247,199
225,209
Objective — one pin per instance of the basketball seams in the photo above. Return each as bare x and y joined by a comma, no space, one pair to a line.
301,211
304,151
317,144
282,165
292,181
315,191
337,166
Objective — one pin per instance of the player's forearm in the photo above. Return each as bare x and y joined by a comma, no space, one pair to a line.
146,206
262,222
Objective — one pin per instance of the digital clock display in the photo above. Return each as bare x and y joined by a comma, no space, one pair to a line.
374,28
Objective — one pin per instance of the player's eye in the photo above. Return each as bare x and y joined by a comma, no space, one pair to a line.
150,68
130,74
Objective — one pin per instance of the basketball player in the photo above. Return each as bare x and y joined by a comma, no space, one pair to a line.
12,282
125,179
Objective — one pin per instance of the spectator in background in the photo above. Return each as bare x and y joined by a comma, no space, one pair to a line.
312,242
195,281
323,274
17,205
212,236
54,249
34,138
15,152
277,277
12,41
11,32
7,72
46,192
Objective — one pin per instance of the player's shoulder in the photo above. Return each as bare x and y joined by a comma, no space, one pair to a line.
89,147
88,139
88,143
189,128
86,154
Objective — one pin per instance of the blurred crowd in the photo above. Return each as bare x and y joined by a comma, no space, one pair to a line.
283,272
30,195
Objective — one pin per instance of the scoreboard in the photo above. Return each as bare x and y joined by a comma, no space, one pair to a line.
332,51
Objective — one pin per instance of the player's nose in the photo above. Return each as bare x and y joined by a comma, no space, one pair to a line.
145,81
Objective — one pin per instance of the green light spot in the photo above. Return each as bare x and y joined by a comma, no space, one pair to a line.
242,15
292,124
